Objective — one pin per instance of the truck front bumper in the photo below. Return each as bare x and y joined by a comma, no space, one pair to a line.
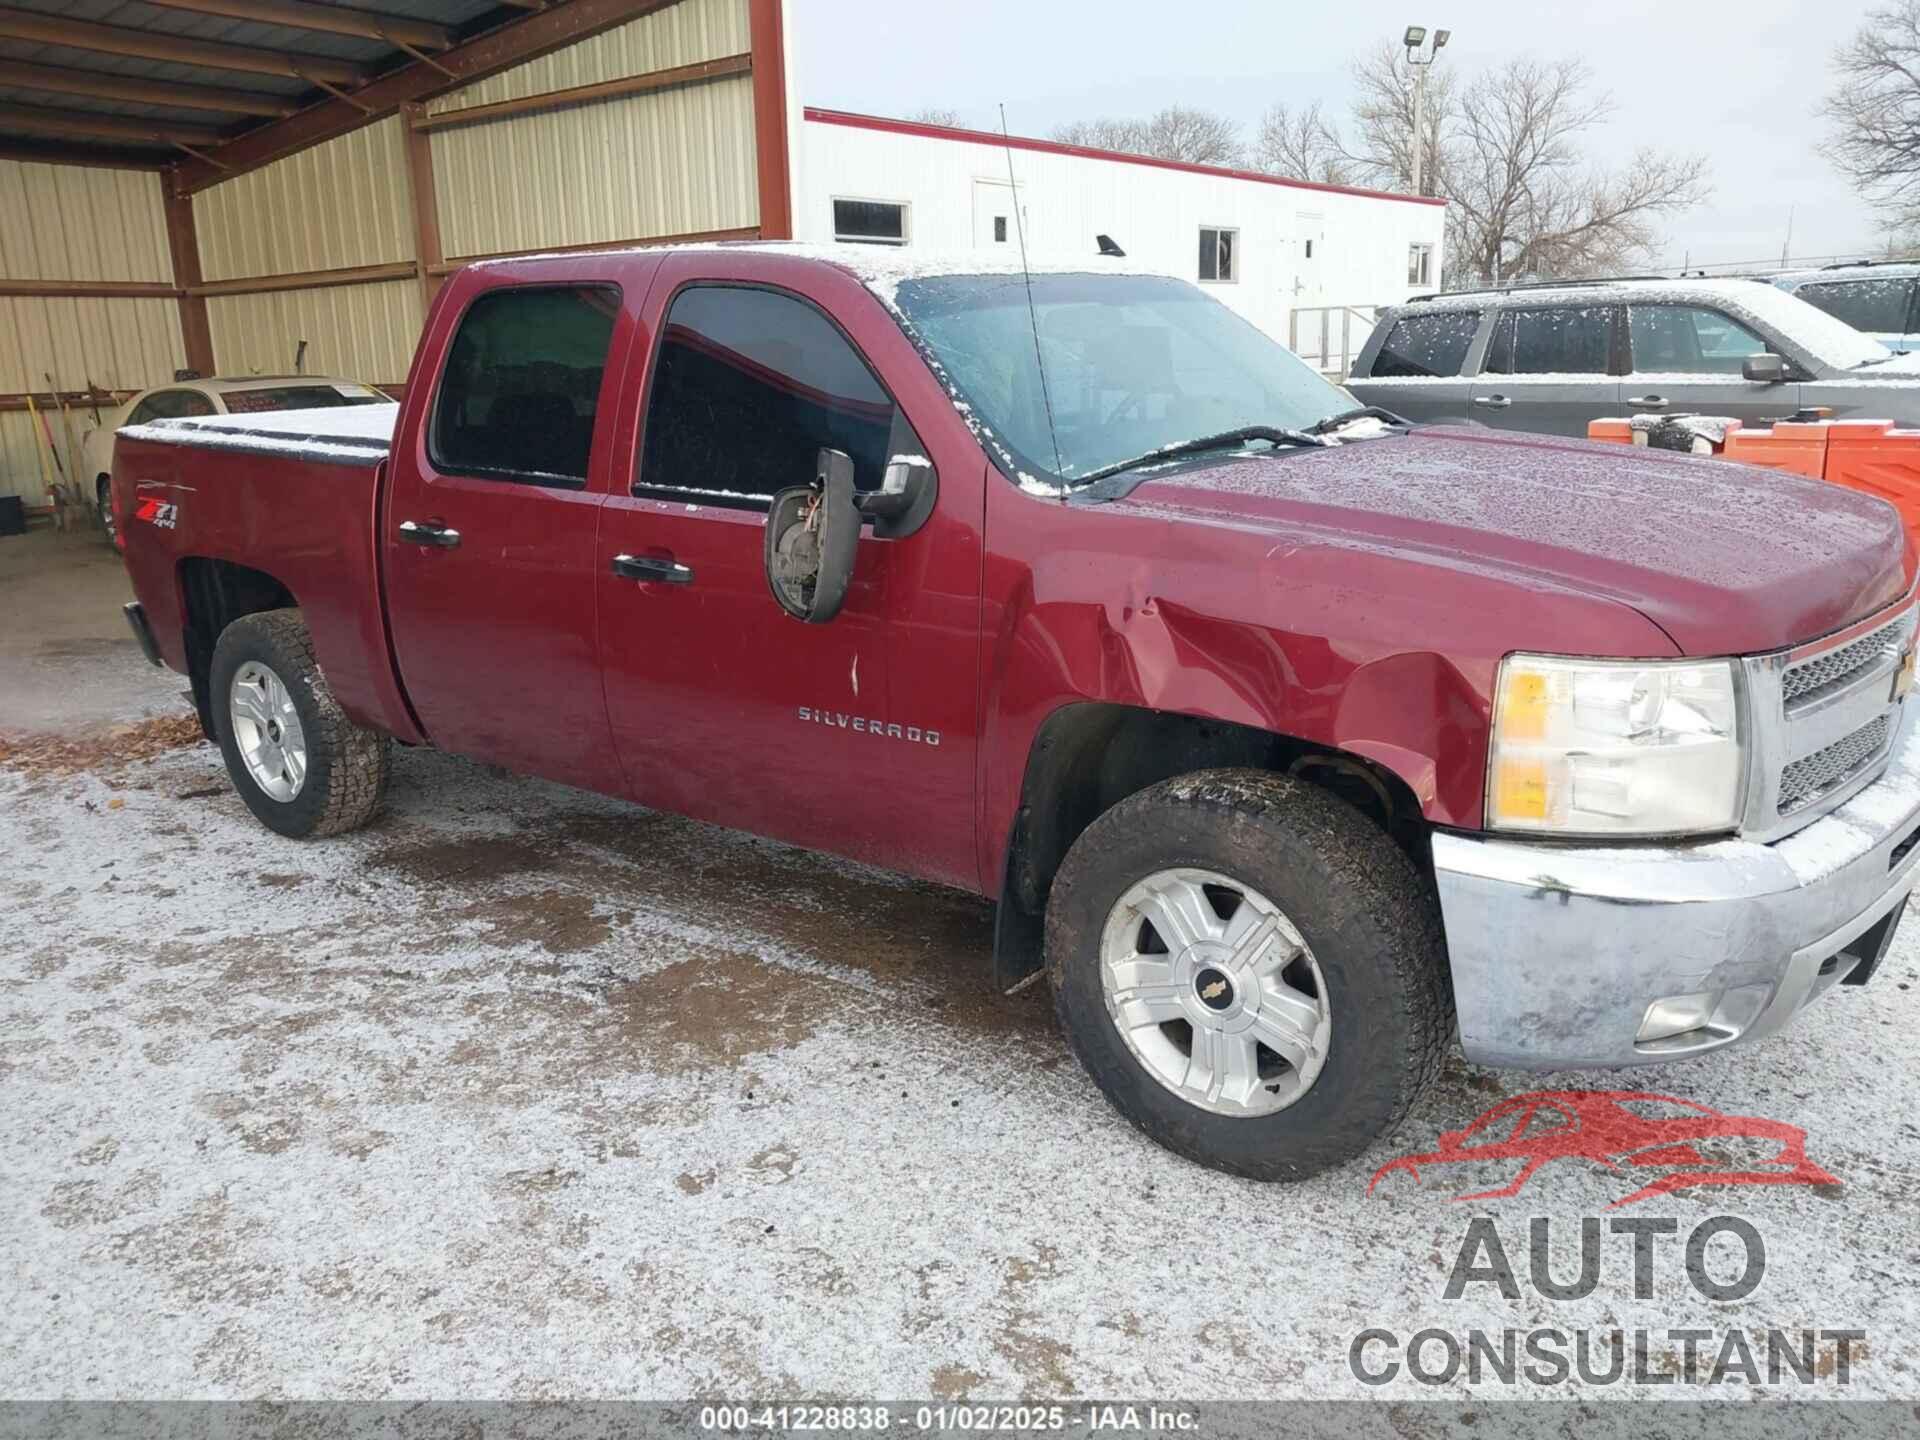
1575,955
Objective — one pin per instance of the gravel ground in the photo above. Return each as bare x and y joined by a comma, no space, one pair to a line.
525,1093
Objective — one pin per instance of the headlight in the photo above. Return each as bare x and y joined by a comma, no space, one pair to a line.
1612,747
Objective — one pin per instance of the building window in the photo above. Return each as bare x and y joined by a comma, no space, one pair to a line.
1219,259
1419,264
870,222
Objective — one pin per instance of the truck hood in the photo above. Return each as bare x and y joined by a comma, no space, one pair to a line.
1727,559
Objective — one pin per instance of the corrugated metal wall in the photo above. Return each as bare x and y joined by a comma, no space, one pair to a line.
60,222
675,162
339,204
361,332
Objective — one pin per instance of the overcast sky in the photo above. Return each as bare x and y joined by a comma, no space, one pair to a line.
1740,81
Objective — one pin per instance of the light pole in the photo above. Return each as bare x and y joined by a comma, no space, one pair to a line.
1416,36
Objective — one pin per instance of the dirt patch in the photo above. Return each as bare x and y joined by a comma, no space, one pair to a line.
562,923
718,1011
122,745
466,861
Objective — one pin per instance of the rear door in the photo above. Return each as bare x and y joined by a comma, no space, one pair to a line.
490,528
1418,369
1550,369
1686,359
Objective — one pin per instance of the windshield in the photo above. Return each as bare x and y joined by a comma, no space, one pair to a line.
1134,364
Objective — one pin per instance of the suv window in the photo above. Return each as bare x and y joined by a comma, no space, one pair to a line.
1431,344
1565,340
749,385
170,405
1689,340
522,383
1880,306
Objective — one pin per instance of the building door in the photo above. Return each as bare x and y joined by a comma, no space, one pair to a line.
1309,286
994,224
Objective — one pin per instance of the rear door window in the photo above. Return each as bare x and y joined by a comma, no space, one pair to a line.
1427,345
1873,305
1689,340
1560,340
521,384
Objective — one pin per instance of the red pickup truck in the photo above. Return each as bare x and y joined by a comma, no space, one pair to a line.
1281,731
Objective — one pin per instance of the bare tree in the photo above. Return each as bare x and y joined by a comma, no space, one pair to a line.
1524,198
1875,110
1383,117
1302,145
936,115
1505,148
1179,132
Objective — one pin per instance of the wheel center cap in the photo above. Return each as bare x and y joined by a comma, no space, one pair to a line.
1214,988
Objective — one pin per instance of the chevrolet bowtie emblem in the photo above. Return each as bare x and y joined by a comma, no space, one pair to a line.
1903,677
1214,991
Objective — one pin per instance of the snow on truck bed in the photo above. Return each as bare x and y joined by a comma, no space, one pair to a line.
331,435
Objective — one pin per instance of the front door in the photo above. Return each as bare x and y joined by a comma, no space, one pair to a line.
490,531
1549,370
856,735
1686,360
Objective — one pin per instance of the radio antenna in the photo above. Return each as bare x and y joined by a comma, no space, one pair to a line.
1033,315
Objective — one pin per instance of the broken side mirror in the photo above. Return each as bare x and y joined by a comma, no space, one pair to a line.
813,534
1764,369
905,498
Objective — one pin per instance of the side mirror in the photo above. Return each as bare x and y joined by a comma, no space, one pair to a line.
905,498
1764,369
813,532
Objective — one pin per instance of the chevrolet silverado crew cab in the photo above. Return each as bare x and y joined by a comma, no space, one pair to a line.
1281,732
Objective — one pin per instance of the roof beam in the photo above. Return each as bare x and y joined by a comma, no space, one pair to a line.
99,157
98,85
152,45
327,19
79,124
561,23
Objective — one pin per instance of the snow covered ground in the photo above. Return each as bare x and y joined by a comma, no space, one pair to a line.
525,1093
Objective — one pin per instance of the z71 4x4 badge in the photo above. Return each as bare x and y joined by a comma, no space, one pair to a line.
163,513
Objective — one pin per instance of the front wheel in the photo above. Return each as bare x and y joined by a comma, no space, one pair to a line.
301,765
1250,970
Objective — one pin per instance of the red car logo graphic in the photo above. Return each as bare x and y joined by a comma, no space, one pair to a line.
1627,1131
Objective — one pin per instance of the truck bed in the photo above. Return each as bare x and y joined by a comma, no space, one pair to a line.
336,435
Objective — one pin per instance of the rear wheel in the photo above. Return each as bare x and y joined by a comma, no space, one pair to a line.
1250,971
301,765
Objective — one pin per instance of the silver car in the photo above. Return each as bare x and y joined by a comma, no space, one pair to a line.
1880,298
1551,358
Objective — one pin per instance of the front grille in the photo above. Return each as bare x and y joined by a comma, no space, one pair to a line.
1806,780
1824,674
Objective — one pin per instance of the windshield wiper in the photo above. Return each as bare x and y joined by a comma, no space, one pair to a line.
1347,417
1272,434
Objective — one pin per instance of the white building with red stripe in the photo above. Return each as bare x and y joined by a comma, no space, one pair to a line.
1265,245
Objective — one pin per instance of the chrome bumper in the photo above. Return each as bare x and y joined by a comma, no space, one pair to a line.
1558,951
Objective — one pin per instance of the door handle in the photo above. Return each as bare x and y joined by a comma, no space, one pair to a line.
1492,402
647,568
1650,402
425,532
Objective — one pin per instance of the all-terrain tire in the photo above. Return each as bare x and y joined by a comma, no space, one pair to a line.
347,765
1360,904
